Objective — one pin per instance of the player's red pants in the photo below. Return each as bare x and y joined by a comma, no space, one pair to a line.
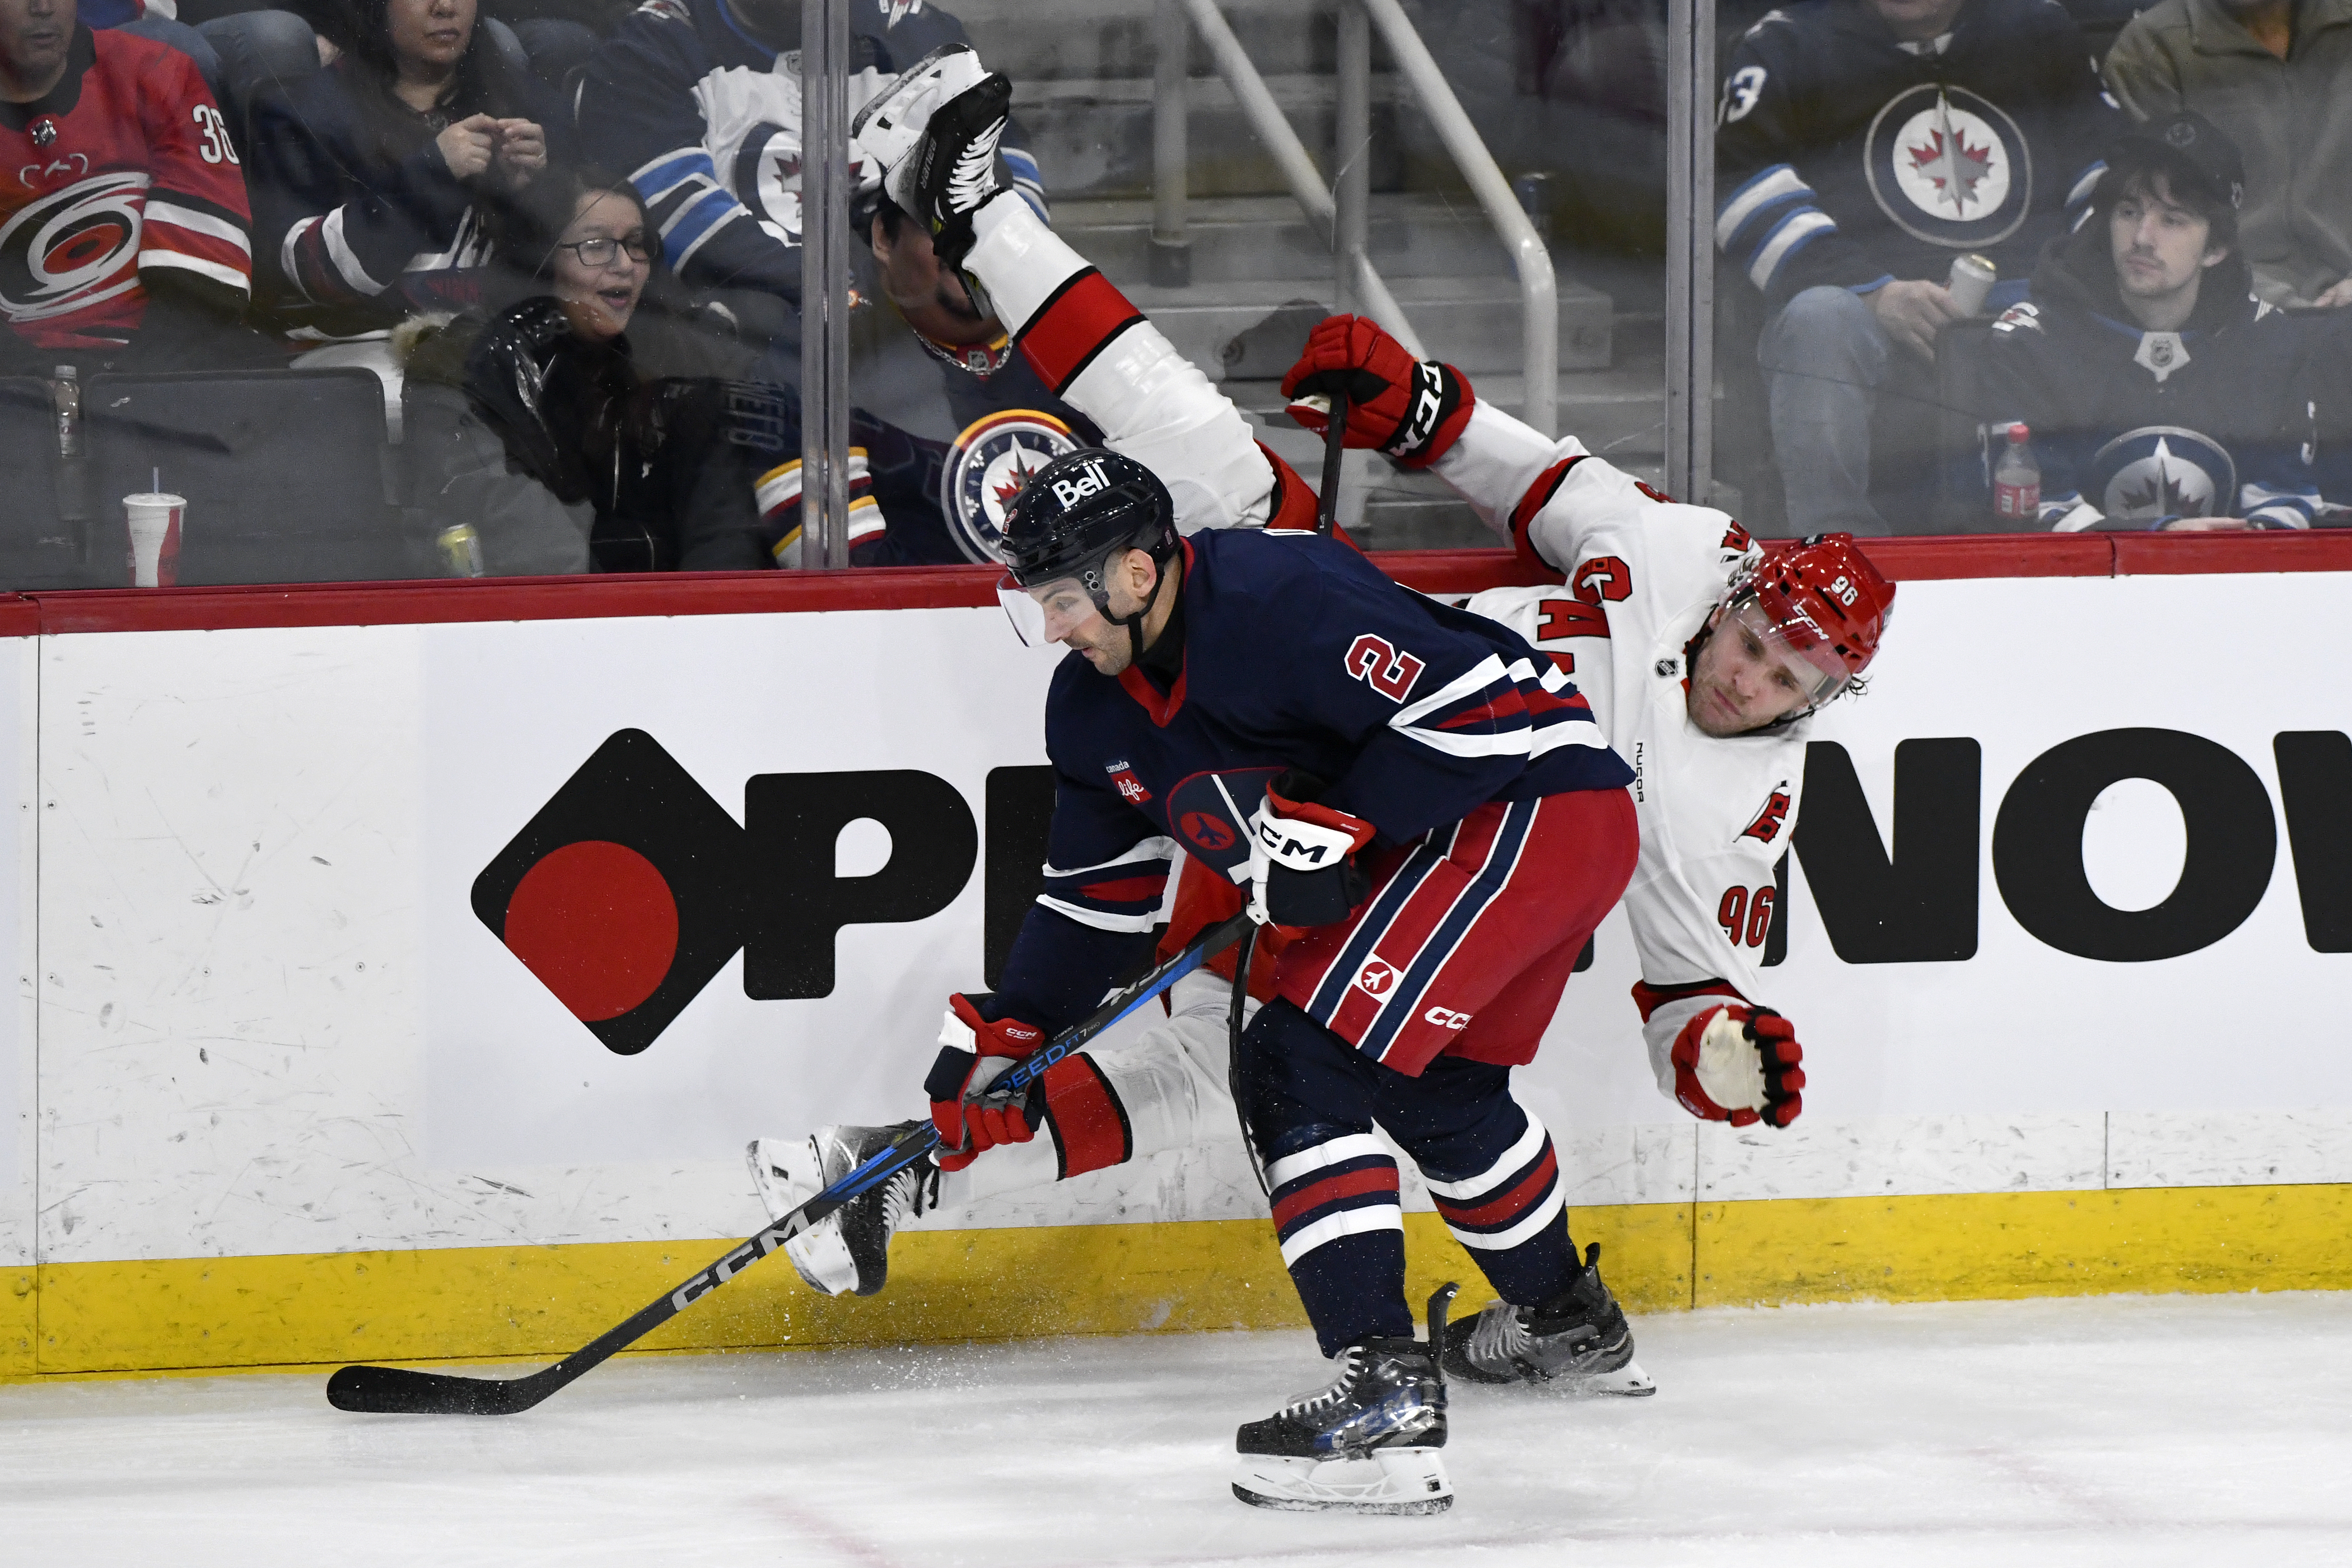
1470,934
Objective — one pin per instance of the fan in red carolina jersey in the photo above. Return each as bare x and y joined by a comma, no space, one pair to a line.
123,210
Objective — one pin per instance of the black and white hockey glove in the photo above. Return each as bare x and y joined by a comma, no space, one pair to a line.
1302,865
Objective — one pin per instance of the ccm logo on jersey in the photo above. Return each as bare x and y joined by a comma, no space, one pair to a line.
1090,480
1381,665
1447,1018
1767,826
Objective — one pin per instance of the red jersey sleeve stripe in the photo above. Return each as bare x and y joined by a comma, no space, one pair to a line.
1538,496
1077,322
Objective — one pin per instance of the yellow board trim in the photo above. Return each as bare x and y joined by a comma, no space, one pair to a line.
525,1302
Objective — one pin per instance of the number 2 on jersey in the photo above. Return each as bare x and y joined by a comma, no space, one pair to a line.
1746,918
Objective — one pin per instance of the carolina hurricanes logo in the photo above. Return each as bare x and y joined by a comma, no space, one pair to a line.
1949,167
72,248
1376,978
1767,826
987,466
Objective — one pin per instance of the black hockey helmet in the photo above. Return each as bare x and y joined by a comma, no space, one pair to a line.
1079,511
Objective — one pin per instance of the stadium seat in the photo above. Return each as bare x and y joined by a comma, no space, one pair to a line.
284,471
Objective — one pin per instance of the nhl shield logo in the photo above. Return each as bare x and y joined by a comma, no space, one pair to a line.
986,468
1949,167
2162,471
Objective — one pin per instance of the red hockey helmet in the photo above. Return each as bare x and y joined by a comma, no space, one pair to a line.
1826,603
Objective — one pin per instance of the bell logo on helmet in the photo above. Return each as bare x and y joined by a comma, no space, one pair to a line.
1089,480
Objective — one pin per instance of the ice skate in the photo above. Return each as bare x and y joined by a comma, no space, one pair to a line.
1578,1341
849,1249
1367,1443
934,131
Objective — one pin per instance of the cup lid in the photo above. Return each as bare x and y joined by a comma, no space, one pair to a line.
155,498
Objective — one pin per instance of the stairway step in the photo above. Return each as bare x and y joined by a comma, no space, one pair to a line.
1251,330
1092,135
1241,238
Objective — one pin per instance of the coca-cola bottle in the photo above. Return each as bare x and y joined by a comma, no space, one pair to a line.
2017,483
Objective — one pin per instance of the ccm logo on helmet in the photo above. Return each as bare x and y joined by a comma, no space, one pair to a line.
1089,480
1377,663
1447,1018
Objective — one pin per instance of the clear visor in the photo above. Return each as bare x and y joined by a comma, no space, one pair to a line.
1041,617
1793,643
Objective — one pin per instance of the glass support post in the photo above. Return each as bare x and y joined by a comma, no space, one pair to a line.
1351,159
1690,249
1171,246
824,283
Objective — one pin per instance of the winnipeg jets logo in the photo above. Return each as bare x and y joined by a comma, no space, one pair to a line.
1768,821
1376,978
990,464
1949,166
2162,471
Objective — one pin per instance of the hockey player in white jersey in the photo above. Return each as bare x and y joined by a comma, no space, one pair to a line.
1700,664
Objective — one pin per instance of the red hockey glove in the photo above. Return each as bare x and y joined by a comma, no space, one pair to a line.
1740,1063
1302,865
974,1052
1410,409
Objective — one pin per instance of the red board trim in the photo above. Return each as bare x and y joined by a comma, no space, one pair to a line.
974,587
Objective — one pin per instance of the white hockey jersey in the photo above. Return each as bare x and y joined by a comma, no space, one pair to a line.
1641,574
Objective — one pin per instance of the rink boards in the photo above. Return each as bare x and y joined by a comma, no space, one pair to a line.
276,1090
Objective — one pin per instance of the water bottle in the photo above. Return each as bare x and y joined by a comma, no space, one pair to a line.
2017,483
65,392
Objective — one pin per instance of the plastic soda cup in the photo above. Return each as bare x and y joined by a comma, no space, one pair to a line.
154,521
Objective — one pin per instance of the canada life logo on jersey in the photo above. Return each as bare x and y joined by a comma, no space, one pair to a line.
1130,788
72,248
1949,166
1770,821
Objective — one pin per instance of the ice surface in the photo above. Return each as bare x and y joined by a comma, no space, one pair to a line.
2139,1431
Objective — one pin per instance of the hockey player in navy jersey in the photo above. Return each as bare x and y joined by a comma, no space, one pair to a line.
2159,392
1863,146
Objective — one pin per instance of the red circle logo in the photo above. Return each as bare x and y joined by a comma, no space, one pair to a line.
1213,834
597,924
1376,978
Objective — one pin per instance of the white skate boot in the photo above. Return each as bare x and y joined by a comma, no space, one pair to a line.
850,1249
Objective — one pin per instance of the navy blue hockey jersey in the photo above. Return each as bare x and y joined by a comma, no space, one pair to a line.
1846,158
2135,427
1297,652
704,121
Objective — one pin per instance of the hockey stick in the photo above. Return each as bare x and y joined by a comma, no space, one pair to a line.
1335,446
393,1390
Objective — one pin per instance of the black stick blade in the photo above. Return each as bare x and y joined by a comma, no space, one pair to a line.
396,1391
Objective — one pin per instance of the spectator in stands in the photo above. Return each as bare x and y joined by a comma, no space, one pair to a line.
124,225
2276,76
595,434
390,180
1864,145
699,101
2160,393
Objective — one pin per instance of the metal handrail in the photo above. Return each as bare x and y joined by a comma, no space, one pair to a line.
1299,171
1538,289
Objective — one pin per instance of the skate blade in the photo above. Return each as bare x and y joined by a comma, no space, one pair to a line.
1387,1481
1628,1382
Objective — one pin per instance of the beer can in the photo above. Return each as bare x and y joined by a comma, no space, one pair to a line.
1972,280
461,550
